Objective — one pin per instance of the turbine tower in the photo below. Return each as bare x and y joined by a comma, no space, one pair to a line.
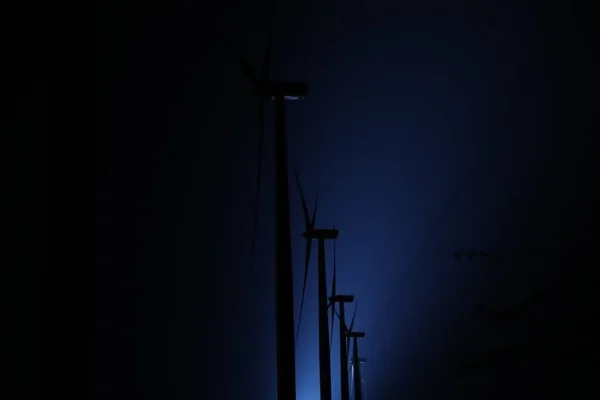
320,235
363,388
348,333
342,300
356,370
344,384
284,298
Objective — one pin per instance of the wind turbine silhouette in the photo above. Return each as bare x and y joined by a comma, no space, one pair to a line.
284,298
321,235
356,360
347,333
342,299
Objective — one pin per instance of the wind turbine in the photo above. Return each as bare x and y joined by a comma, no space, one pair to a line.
346,333
279,92
356,361
321,235
342,299
357,389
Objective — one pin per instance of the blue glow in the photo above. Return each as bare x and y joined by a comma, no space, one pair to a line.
429,128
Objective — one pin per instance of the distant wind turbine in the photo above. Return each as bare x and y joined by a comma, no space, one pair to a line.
342,299
356,361
321,235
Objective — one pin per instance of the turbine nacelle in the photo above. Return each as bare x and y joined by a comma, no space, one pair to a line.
355,334
288,90
321,234
342,298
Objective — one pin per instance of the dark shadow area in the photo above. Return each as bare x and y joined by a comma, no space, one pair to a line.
453,146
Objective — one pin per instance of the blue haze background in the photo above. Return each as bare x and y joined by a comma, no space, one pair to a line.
429,127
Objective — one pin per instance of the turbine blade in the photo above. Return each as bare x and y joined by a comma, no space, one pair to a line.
340,318
314,216
351,326
267,61
353,316
333,297
249,71
306,263
307,254
347,344
350,363
307,222
345,328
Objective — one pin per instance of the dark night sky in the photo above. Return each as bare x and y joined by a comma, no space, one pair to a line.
428,128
